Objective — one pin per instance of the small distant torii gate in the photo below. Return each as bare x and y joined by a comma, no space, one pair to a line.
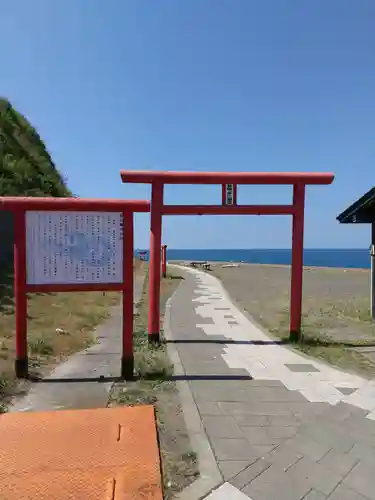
229,182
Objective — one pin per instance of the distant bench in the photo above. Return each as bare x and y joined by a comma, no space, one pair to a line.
201,264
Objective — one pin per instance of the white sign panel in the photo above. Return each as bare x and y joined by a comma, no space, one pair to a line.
74,247
229,188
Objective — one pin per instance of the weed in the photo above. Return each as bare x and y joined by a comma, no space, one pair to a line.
153,365
4,384
134,396
40,346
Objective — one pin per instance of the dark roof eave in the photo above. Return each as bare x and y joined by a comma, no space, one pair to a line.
358,212
354,220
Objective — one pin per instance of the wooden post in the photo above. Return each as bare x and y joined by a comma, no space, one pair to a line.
297,263
127,359
21,362
164,261
155,263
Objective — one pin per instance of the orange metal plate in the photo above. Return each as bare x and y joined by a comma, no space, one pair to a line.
101,454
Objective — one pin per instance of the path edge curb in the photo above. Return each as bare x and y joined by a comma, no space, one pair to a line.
210,476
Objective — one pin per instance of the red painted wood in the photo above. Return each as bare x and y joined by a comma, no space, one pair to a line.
128,290
19,205
227,210
150,176
298,179
75,287
155,258
164,260
19,290
235,188
223,194
71,204
297,261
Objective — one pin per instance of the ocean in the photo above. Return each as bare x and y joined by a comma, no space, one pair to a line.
312,257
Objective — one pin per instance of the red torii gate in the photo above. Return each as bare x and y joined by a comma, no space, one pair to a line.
158,179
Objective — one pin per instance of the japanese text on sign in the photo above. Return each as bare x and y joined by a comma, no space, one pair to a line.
74,247
229,188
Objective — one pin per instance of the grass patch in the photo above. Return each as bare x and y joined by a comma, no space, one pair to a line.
59,324
40,346
3,385
340,356
318,344
153,386
153,365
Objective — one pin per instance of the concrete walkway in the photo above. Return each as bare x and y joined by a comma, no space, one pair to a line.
86,378
280,425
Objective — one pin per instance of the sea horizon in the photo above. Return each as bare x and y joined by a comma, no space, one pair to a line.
356,258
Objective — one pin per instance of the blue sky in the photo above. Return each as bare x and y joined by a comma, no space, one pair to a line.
241,85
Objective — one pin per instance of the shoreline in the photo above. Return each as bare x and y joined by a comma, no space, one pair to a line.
305,268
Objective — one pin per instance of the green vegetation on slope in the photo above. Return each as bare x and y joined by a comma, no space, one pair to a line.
26,168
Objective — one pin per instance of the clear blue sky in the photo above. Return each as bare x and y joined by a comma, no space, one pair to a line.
245,85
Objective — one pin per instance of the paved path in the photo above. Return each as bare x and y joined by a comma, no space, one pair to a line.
69,385
281,425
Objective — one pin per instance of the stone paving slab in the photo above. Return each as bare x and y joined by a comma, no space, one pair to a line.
278,423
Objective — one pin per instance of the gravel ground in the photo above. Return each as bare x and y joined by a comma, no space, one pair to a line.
336,308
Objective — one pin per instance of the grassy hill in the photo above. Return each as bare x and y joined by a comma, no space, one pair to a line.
26,168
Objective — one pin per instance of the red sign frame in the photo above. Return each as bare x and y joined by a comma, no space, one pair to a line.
19,206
